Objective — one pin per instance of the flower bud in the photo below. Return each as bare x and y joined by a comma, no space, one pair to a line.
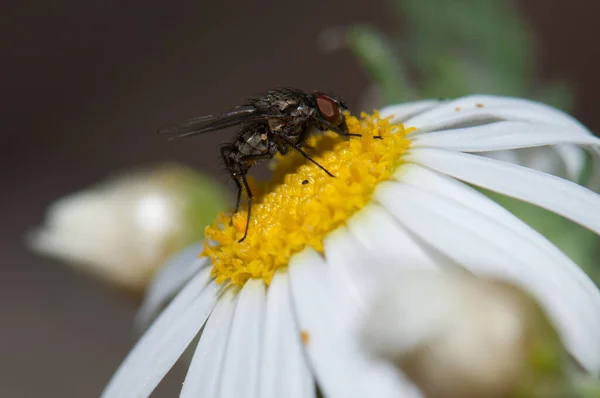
456,335
123,229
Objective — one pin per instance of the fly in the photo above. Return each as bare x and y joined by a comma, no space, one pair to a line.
276,122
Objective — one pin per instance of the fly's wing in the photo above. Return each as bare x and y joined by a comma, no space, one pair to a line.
205,124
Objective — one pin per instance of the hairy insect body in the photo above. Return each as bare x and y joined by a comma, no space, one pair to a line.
254,140
277,122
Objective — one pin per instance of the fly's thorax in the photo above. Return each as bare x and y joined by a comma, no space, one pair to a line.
303,111
284,101
284,104
276,124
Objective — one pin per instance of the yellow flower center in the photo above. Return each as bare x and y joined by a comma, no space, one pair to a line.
302,204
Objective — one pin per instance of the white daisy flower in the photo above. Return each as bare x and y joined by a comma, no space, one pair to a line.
281,311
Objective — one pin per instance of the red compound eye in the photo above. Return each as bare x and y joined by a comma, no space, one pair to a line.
329,108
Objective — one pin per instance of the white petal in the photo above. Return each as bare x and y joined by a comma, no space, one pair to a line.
503,135
346,260
165,340
560,196
487,247
399,113
242,359
544,159
465,111
390,242
562,160
359,269
284,369
574,159
169,280
452,189
204,374
331,323
509,156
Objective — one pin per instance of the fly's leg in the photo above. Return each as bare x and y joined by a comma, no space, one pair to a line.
225,152
343,133
239,195
306,155
281,146
240,179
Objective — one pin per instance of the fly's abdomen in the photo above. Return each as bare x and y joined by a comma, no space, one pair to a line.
254,142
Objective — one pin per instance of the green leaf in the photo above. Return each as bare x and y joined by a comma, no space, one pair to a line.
451,48
378,58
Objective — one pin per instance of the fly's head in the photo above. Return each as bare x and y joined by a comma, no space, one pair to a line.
330,112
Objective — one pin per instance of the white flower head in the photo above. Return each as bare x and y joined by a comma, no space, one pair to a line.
123,229
283,308
456,335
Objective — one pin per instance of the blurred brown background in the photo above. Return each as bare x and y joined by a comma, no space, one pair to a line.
85,86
